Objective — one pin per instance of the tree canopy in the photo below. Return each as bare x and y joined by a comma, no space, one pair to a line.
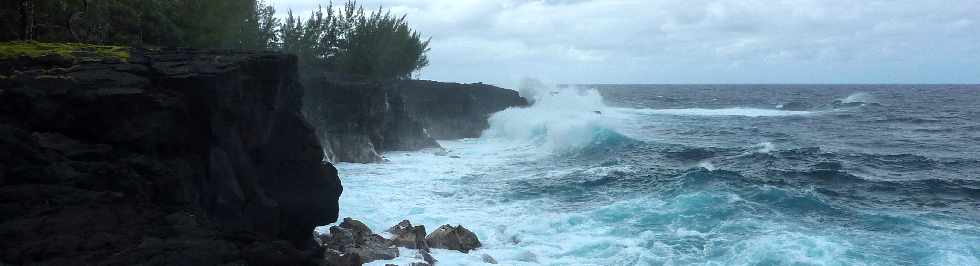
346,39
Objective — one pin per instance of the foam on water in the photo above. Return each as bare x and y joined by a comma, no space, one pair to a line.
860,97
734,111
765,147
559,121
519,192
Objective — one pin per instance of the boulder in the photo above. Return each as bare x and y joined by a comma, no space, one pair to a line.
408,236
354,237
453,238
357,228
334,257
374,247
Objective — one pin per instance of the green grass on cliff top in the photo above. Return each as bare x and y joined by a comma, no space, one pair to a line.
11,50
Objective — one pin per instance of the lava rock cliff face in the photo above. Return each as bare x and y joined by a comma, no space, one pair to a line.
173,157
358,120
453,110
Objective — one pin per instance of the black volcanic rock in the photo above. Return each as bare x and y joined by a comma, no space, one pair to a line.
453,110
454,238
347,115
408,236
176,157
351,237
357,120
403,132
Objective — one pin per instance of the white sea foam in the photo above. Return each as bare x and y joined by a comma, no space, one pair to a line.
860,97
765,147
734,111
707,165
560,120
483,189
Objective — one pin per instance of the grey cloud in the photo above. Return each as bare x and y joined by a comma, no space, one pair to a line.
696,41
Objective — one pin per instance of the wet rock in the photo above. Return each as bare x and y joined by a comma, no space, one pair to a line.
424,255
357,228
374,247
339,238
354,237
336,258
408,236
453,238
488,259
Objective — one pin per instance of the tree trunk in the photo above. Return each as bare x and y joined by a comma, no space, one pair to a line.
27,19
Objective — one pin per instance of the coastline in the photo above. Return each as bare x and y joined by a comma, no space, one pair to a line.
196,148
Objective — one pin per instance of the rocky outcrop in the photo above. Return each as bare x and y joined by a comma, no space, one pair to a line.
353,238
408,236
174,157
352,243
357,120
453,238
453,110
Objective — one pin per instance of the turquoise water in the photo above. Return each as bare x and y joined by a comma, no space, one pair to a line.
704,175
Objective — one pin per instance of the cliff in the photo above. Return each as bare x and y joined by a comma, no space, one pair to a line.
453,110
358,120
172,157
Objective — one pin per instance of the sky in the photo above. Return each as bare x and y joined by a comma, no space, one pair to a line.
693,41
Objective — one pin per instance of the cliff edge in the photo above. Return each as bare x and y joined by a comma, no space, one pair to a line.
357,120
454,110
170,157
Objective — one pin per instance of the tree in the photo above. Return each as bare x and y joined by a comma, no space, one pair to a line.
376,45
27,19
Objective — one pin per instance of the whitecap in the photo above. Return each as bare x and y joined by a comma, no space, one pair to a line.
734,111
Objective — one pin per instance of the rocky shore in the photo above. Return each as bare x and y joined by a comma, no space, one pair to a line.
208,157
353,243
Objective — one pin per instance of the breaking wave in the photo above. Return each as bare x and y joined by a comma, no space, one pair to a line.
559,121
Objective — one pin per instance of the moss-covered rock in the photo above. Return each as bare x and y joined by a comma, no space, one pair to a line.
69,51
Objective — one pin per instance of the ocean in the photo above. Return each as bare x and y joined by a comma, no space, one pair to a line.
700,175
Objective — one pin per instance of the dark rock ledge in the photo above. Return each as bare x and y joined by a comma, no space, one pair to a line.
175,157
359,120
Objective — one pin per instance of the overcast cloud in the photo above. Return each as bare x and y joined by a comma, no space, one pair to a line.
694,41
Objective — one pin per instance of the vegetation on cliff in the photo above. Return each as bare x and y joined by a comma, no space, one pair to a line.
345,39
376,44
13,50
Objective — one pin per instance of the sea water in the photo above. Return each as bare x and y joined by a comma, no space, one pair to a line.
700,174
